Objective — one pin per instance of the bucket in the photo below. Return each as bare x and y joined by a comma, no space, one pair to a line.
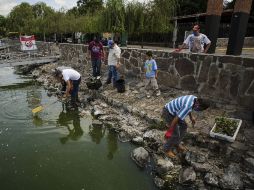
120,85
94,84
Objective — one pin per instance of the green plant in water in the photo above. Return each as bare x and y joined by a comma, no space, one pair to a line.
225,126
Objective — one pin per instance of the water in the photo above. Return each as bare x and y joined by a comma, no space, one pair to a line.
57,149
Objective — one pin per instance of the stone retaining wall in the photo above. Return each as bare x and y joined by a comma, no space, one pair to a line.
223,42
226,79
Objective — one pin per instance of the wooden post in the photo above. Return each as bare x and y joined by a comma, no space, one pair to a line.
213,15
239,22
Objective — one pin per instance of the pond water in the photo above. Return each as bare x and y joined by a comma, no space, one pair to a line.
57,149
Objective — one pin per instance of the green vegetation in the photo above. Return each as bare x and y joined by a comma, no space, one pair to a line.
91,16
225,126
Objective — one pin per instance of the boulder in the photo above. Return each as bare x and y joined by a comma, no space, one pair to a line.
140,156
193,156
205,167
163,166
159,182
232,178
211,179
188,175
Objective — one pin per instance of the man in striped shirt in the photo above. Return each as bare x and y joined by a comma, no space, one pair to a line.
174,114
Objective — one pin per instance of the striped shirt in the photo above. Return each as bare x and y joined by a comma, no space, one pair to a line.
181,106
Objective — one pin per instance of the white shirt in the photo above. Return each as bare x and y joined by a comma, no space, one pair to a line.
114,55
70,74
196,43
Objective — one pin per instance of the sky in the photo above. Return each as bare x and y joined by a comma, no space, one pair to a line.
7,5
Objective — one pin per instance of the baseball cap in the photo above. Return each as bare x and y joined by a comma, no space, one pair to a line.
110,43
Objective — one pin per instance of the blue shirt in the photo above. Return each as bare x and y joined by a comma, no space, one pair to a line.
151,67
181,106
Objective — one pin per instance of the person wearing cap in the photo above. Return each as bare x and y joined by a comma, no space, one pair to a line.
97,53
174,114
113,62
196,42
72,79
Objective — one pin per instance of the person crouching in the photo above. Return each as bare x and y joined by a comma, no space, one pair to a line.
72,79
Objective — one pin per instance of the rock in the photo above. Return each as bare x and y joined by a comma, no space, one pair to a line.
250,153
154,135
211,179
97,111
232,178
172,177
124,137
201,167
192,156
36,73
85,113
153,139
159,182
97,123
188,175
163,166
140,156
249,163
138,140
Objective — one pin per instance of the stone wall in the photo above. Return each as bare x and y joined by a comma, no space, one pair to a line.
223,42
225,79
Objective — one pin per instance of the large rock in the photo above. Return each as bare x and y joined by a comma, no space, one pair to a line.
249,163
197,157
163,166
188,176
140,156
205,167
188,83
232,178
159,182
211,179
204,69
184,67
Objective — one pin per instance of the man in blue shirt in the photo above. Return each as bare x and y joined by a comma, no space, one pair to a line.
174,114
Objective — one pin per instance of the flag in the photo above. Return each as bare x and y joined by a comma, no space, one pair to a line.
28,43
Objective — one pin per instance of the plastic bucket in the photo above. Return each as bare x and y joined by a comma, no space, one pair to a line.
120,85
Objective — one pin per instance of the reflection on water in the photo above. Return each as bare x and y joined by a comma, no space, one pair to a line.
56,149
112,144
66,118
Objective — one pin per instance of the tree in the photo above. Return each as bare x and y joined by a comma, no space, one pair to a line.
89,6
21,18
113,17
3,28
188,7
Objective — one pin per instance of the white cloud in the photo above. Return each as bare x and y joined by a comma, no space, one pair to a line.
6,6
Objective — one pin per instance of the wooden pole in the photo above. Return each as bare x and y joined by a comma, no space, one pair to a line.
239,23
213,16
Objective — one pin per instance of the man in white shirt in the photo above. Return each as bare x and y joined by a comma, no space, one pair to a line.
113,62
196,42
72,79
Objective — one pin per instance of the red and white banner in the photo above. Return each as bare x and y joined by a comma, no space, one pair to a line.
28,43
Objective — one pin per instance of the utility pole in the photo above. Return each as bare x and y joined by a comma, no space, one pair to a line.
213,16
239,23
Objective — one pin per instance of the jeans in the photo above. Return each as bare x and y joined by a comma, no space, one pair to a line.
112,73
178,133
74,92
96,64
